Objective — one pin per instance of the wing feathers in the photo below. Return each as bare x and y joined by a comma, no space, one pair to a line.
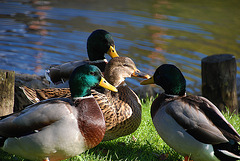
34,118
199,121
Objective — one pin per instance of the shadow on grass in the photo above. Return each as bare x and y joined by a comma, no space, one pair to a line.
113,150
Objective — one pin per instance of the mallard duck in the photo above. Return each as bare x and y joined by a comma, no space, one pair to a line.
126,104
122,110
58,128
191,125
99,43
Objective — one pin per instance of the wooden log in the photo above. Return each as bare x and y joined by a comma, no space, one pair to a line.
7,81
219,81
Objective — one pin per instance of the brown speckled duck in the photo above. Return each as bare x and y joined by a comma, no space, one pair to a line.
122,110
99,43
125,102
191,125
58,128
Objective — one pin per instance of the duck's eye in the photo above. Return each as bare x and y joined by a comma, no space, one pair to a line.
92,73
125,65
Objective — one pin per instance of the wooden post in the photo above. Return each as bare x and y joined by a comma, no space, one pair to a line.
219,81
7,79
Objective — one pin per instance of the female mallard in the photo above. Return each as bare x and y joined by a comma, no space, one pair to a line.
58,128
122,111
99,43
125,103
192,125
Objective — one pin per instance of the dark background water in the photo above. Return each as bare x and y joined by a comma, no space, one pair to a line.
35,34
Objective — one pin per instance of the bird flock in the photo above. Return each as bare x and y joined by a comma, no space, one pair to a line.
97,105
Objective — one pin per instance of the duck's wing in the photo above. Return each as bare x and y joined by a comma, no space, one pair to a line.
213,113
30,93
121,115
34,117
128,111
202,120
58,74
128,105
36,95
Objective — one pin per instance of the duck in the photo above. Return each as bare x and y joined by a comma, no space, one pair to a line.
58,128
99,43
190,124
125,103
122,110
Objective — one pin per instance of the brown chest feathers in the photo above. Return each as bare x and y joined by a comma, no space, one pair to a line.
90,121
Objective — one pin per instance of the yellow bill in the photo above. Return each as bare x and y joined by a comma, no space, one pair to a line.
138,73
103,83
148,81
112,52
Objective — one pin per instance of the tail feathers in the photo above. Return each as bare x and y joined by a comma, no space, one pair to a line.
227,151
54,77
30,94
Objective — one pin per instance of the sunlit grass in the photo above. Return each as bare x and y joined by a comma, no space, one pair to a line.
143,144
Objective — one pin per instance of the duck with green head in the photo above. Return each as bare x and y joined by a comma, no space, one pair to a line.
191,125
58,128
99,43
122,110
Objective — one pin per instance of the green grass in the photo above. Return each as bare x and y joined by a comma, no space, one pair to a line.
143,144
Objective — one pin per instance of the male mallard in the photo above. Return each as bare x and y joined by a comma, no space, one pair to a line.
58,128
99,43
121,110
191,125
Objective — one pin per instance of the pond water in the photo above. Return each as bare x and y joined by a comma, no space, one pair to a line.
35,34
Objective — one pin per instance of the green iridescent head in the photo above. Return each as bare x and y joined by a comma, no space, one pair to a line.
170,78
85,77
99,43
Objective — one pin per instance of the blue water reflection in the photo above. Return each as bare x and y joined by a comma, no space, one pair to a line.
36,34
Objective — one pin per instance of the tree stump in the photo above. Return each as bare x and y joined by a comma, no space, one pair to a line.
7,81
219,81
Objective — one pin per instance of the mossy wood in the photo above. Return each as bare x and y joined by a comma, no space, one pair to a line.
219,81
7,81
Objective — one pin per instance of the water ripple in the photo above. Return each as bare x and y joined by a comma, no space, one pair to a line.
33,36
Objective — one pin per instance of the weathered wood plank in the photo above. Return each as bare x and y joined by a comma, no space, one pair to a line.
7,81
